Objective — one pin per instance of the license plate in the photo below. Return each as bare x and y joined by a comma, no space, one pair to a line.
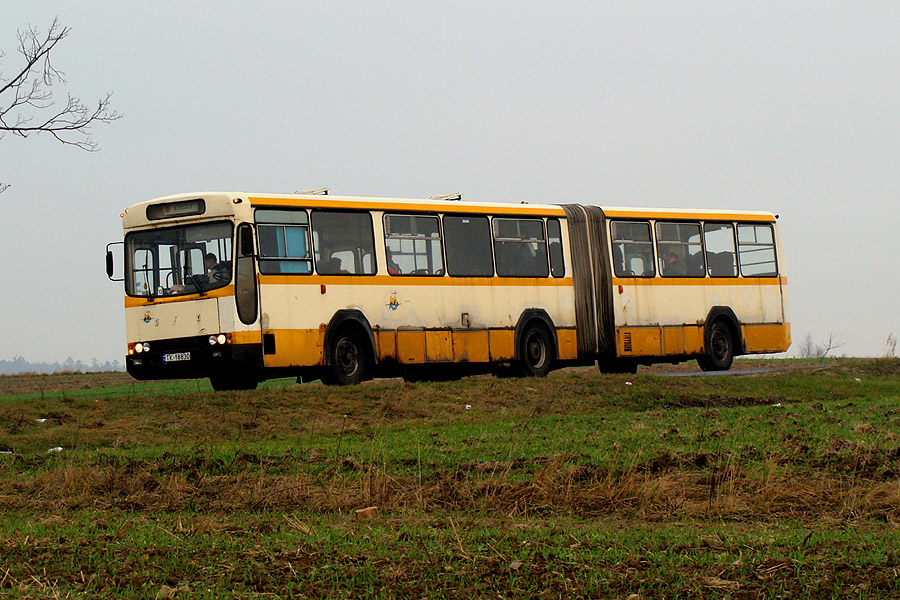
176,356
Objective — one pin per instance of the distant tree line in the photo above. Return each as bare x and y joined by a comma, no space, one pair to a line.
19,365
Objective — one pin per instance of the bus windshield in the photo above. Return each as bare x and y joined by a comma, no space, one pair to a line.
178,260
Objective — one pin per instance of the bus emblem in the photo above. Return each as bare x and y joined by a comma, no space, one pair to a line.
146,317
392,302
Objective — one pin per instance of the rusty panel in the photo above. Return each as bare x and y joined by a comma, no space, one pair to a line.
471,346
438,347
411,346
502,344
673,340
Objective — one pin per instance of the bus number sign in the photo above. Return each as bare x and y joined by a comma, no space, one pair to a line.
171,210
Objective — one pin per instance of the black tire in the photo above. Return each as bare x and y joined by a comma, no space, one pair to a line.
350,361
719,348
536,354
238,380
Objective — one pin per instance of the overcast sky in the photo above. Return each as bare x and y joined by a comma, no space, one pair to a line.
792,107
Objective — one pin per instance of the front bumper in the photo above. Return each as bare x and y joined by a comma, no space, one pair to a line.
190,358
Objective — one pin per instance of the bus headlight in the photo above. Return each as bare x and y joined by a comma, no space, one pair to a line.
218,340
141,347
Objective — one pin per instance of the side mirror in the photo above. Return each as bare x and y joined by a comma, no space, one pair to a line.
111,262
245,233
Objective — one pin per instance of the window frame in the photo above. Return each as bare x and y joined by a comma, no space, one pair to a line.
659,251
651,243
490,241
495,239
737,266
314,243
774,246
560,270
440,272
289,259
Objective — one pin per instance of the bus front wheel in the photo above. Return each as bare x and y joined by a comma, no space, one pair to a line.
719,349
349,360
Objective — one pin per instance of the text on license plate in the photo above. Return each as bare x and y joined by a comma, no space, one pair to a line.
176,356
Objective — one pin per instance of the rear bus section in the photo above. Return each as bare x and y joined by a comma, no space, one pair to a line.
697,285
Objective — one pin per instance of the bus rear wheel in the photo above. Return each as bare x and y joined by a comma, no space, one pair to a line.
350,361
536,352
719,349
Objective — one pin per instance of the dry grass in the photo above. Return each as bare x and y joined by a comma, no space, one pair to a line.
577,485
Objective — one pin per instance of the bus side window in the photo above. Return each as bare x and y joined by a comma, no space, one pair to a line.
283,241
520,248
413,244
756,250
679,249
342,241
467,240
554,236
720,255
632,249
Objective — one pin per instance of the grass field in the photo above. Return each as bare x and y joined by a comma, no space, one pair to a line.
781,484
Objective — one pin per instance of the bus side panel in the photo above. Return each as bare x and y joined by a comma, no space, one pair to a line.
411,346
759,339
666,317
502,344
471,346
415,320
567,343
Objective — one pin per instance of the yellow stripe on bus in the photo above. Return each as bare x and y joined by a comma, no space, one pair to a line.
222,292
620,213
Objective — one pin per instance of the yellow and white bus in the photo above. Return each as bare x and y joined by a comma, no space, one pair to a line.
244,287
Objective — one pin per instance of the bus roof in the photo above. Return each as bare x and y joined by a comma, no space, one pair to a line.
229,203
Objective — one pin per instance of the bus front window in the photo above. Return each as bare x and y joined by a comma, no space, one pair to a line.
178,260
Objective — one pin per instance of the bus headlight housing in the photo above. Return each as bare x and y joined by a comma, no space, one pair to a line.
141,347
218,340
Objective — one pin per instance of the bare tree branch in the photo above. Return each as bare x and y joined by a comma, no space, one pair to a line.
26,101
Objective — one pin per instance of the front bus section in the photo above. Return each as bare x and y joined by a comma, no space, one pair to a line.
191,303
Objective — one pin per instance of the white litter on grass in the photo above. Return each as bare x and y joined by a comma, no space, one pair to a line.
41,420
468,406
55,449
776,405
627,383
857,379
6,452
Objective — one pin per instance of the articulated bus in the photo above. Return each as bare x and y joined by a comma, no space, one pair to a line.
245,287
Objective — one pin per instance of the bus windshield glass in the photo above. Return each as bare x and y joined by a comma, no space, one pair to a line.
178,260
